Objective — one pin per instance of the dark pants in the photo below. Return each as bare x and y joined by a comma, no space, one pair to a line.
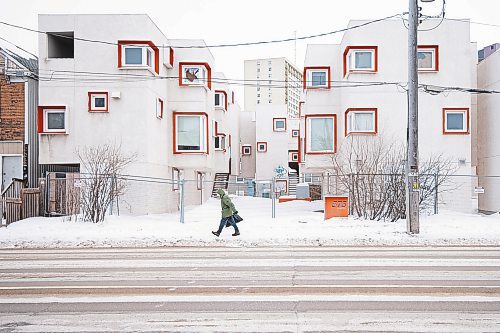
223,222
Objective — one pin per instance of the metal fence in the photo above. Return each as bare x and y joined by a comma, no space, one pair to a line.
61,192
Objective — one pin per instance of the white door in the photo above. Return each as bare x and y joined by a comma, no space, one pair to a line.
12,167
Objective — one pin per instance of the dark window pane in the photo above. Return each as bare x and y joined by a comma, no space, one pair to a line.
55,121
99,102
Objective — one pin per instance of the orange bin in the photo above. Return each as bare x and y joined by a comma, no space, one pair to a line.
336,206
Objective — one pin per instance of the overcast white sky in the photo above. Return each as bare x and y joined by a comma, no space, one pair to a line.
230,21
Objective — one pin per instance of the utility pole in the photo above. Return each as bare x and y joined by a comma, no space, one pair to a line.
412,184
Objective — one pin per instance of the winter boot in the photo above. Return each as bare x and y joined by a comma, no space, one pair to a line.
237,233
216,233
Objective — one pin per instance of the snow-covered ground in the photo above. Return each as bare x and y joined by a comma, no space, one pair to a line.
296,223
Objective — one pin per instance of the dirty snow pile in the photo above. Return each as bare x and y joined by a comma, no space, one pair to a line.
296,223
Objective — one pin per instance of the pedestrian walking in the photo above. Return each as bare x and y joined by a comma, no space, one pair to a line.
228,210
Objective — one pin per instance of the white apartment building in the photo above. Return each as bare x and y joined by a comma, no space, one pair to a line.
272,97
488,71
137,90
377,52
272,81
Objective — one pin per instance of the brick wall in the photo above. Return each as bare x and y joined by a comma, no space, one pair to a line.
11,110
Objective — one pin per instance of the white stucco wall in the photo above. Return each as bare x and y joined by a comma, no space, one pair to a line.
131,120
488,72
456,59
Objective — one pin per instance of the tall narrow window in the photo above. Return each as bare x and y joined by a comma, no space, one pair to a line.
190,133
159,108
221,100
321,132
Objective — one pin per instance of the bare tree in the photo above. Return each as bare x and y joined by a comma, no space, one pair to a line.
101,180
373,174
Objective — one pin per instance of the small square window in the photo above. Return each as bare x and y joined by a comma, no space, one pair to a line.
295,133
427,58
456,121
98,102
246,150
261,147
159,108
295,157
279,124
316,77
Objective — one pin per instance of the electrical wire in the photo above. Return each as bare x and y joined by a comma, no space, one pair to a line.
323,34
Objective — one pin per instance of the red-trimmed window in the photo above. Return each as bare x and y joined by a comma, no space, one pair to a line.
361,121
428,58
190,132
246,150
321,134
261,147
220,142
279,124
295,133
456,121
159,108
360,59
52,120
142,54
98,101
317,77
221,100
195,74
168,57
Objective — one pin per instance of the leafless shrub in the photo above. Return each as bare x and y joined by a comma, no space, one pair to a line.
101,182
373,174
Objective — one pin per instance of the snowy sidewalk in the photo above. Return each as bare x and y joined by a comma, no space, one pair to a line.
296,223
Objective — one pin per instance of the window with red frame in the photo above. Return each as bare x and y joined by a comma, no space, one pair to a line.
98,102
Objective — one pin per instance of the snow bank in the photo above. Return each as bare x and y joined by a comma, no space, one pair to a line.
297,223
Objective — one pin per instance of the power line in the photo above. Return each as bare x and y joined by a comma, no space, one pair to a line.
5,40
474,22
323,34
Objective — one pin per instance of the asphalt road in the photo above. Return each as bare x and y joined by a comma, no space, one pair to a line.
306,289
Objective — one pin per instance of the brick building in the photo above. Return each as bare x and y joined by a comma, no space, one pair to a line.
18,102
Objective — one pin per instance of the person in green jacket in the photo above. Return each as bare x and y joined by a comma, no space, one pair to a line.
228,210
